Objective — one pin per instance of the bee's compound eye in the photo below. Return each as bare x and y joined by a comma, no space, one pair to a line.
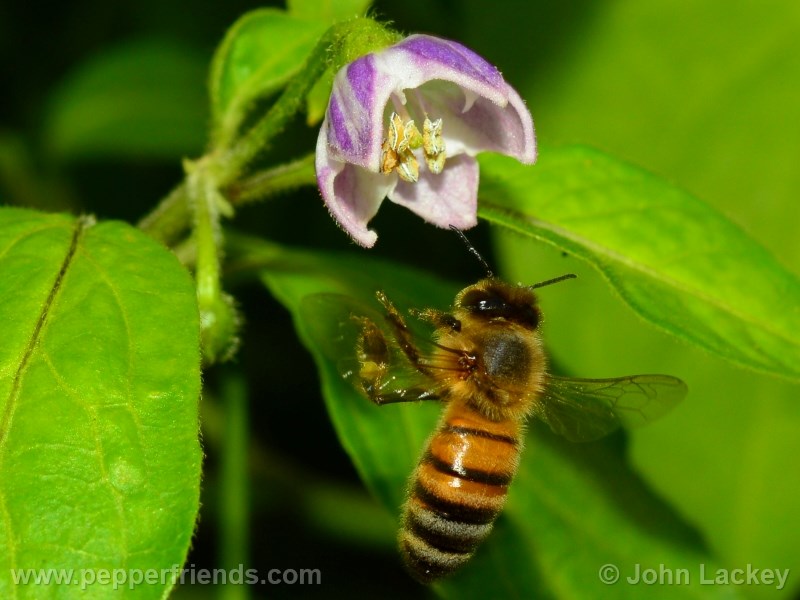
494,306
491,305
483,302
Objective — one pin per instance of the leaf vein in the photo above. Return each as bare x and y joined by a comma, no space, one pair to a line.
25,236
81,226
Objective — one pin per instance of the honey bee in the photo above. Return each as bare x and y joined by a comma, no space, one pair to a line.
486,363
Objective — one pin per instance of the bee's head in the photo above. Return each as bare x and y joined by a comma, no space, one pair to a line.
494,300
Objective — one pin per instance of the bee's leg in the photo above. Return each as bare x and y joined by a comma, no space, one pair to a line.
404,337
401,331
372,347
437,318
374,377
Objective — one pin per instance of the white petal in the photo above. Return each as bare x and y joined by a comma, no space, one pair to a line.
483,126
450,198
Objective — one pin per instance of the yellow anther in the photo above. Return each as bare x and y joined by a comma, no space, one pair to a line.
403,138
433,145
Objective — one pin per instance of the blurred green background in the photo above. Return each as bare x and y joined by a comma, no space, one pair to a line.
101,101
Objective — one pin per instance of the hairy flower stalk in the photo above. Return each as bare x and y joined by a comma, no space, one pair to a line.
406,123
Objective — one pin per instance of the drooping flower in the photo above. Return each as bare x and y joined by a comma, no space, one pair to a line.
406,123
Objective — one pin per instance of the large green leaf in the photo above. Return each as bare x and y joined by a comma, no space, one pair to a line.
99,383
573,508
705,96
675,260
736,431
259,54
701,94
144,99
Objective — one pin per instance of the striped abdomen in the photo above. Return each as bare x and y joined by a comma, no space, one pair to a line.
457,491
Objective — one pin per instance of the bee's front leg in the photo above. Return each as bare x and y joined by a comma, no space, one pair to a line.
438,318
402,333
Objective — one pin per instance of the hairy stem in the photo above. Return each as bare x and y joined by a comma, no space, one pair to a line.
170,218
264,184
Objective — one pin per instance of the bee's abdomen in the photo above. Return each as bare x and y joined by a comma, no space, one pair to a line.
457,492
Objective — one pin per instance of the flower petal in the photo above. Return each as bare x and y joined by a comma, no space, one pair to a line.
483,126
422,79
352,194
354,119
450,198
421,58
356,112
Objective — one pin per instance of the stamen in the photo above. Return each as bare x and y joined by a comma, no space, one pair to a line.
408,170
433,145
395,131
403,138
397,149
388,158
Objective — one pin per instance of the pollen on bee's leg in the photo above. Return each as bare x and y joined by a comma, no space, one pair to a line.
370,371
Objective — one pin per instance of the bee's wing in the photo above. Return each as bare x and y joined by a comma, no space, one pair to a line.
587,409
358,339
327,319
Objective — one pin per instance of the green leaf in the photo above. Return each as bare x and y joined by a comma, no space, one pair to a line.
99,382
328,10
259,54
317,100
143,99
297,275
733,432
706,97
572,509
698,93
673,259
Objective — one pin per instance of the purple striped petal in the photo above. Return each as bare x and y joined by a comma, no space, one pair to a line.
435,53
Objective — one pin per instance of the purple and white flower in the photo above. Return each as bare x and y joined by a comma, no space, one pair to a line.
406,123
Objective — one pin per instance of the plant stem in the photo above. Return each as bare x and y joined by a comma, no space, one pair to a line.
288,104
235,494
206,233
170,218
224,166
270,182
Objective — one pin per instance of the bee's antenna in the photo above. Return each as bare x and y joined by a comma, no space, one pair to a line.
552,281
471,248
